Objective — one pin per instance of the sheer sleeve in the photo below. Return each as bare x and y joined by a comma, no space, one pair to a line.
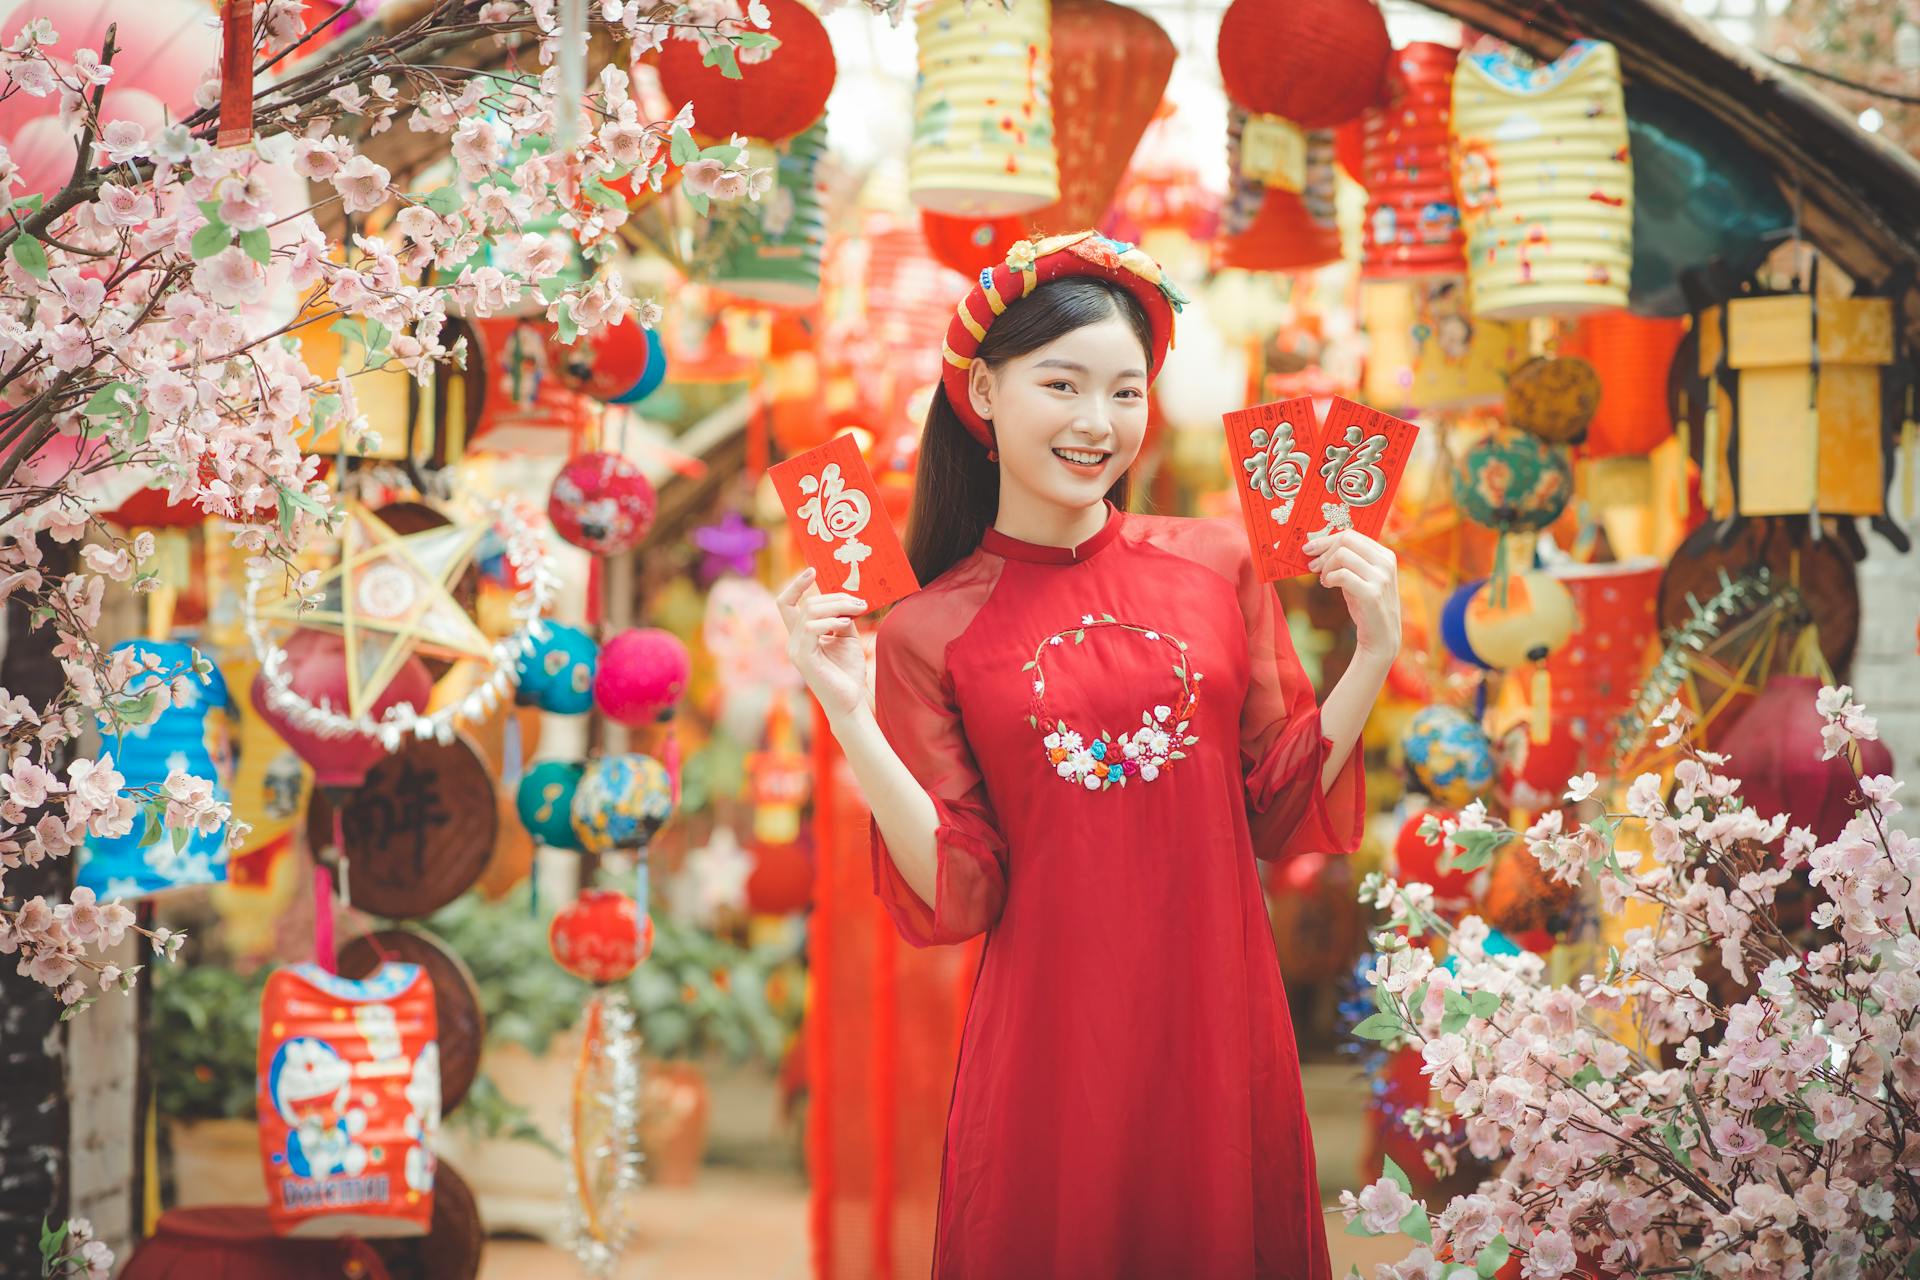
913,702
1281,746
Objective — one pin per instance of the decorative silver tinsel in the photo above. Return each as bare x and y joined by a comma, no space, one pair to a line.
605,1159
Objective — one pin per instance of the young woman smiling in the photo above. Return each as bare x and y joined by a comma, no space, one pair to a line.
1083,731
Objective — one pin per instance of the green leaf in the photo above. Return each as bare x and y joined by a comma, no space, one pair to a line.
1493,1257
757,40
1672,1137
700,204
211,239
106,402
351,332
1459,1013
600,194
1393,1171
1803,1125
550,287
444,201
1475,850
323,410
1585,1076
1485,1004
565,329
722,56
1358,1227
1379,1026
726,153
258,245
682,148
1415,1224
29,204
31,255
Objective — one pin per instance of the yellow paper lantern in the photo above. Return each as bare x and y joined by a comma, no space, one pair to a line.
983,143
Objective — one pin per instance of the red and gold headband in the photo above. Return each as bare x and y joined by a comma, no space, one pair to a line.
1030,264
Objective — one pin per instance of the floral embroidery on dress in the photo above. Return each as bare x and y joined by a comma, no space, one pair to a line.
1114,759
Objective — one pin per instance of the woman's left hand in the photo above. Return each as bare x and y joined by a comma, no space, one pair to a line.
1369,577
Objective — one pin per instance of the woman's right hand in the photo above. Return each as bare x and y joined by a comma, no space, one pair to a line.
824,644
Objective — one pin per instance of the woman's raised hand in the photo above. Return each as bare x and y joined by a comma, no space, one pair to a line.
1367,574
824,644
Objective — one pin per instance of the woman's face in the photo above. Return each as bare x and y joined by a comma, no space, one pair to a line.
1068,418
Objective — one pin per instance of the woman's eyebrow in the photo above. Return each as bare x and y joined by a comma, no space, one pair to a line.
1074,366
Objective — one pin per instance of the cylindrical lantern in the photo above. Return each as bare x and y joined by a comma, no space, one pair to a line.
1596,675
775,98
602,502
983,143
777,257
192,735
316,668
1317,62
544,801
642,674
556,674
601,936
1774,750
1413,218
349,1101
1450,755
621,802
1632,355
1545,181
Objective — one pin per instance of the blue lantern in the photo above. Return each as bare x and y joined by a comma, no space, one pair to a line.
557,673
621,802
655,375
545,802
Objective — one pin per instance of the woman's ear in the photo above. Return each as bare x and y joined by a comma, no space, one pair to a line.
980,388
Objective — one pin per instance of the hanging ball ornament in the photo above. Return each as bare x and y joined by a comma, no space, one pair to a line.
1416,860
607,364
1318,63
643,674
620,803
603,503
313,666
545,802
601,936
1537,618
1450,755
1512,481
557,673
1554,397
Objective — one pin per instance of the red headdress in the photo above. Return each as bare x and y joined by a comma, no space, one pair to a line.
1030,264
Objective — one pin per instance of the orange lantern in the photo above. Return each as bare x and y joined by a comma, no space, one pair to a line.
349,1101
1632,354
1413,217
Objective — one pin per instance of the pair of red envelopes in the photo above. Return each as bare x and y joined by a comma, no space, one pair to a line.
1298,475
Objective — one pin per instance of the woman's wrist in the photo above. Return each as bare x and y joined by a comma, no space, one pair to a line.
1375,661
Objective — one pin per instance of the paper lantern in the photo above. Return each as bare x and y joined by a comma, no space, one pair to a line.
606,364
1283,236
656,372
1544,180
349,1101
1317,62
601,936
621,802
1534,620
970,245
1450,755
1533,773
316,668
1632,357
1512,481
1416,860
1555,397
773,99
1774,750
1111,64
983,136
782,880
557,673
776,258
602,502
1412,226
642,674
194,735
1429,352
522,403
1522,898
1597,674
544,801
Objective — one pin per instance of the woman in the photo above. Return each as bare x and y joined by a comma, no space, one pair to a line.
1084,728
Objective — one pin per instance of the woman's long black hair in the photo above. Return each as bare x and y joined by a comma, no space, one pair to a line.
956,487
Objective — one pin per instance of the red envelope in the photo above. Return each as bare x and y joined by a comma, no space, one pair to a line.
1273,450
836,514
1358,458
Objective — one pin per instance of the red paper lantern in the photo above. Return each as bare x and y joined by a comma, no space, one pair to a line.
1349,147
1774,749
523,402
1318,63
1417,860
602,502
606,364
1413,217
774,99
1111,64
316,668
970,245
601,936
1596,674
1533,775
1282,237
1633,355
782,879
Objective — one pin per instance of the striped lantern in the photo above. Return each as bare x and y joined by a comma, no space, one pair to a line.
1632,355
1545,181
1413,216
983,142
777,257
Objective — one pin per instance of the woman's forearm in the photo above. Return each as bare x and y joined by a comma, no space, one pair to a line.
902,809
1344,714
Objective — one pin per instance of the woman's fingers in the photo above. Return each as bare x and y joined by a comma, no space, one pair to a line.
1344,557
823,627
791,594
838,605
1345,580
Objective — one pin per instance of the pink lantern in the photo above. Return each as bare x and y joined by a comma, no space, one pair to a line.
642,674
1774,749
316,668
603,503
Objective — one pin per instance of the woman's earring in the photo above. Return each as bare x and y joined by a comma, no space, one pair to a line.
993,455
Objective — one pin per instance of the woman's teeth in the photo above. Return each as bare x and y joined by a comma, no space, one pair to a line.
1081,458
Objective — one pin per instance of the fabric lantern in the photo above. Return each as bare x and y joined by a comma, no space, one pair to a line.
1317,62
1111,65
601,936
1416,860
1450,755
603,503
1597,674
970,245
1556,397
349,1100
643,673
1512,481
621,802
1429,352
193,735
777,257
316,668
606,364
1632,356
1412,226
656,372
773,99
556,674
1522,898
1774,750
1545,181
983,136
781,883
544,800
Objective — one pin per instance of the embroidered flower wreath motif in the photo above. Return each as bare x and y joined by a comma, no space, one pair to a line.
1115,759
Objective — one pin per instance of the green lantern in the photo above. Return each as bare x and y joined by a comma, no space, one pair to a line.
775,256
1513,482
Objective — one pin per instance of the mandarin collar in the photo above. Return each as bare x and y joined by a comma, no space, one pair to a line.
997,543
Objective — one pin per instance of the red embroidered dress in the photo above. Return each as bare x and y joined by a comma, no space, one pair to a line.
1111,732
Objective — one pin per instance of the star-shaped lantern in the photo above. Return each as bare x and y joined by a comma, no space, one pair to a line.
390,597
730,546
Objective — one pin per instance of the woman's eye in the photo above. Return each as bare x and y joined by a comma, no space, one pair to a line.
1131,392
1060,386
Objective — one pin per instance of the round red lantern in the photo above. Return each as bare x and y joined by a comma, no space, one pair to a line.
601,936
774,99
602,503
1318,63
1419,861
606,364
641,675
1774,750
316,668
782,879
970,245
